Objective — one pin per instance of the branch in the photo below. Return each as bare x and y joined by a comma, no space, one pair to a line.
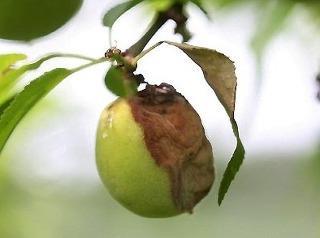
138,47
175,13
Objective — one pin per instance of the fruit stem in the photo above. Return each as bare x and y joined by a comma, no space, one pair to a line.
143,53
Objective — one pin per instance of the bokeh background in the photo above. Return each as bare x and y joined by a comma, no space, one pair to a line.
49,186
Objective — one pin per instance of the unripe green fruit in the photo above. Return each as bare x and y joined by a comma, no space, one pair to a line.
152,154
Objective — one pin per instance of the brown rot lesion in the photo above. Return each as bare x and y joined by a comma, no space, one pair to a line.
158,94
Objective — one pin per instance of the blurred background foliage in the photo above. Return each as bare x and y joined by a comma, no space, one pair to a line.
270,199
277,195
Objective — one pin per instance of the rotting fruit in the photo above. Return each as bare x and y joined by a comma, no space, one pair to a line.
152,153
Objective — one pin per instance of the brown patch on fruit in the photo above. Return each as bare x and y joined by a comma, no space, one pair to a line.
175,137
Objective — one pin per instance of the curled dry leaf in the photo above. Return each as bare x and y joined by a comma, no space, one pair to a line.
219,72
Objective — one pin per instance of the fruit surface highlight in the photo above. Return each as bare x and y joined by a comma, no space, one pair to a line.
152,153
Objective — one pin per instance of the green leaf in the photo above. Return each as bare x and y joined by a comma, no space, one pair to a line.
162,5
25,100
25,20
7,60
227,3
271,22
314,10
10,75
5,104
119,83
114,13
219,72
233,165
199,4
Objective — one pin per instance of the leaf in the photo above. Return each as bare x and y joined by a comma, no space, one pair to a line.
119,83
219,72
10,75
313,8
227,3
271,22
4,105
233,165
7,60
114,13
25,20
199,4
25,100
161,5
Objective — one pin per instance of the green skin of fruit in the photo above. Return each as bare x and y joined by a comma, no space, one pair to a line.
25,20
126,167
